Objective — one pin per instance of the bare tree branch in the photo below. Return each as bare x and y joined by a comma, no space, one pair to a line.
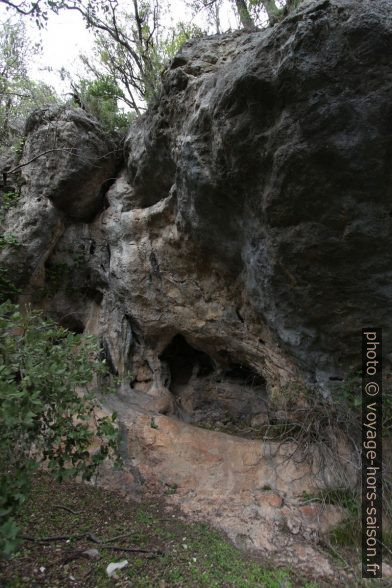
19,7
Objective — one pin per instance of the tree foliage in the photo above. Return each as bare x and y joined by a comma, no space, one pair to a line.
100,97
19,95
131,44
37,9
46,409
127,50
136,89
127,43
129,39
249,13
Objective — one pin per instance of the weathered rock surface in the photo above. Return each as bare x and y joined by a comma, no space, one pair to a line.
67,166
250,489
244,245
277,146
76,162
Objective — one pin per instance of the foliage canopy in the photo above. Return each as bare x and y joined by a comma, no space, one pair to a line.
19,94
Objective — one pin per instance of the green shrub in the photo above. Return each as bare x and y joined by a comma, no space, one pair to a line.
46,409
100,98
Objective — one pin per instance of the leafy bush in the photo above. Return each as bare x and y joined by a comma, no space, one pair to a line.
100,98
47,408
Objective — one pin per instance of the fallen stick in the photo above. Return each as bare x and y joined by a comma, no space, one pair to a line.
94,539
118,537
54,538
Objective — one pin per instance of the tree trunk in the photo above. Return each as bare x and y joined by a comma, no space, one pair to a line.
5,130
217,19
244,14
271,8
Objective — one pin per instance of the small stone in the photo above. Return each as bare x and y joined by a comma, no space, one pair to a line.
270,499
91,553
259,419
386,570
294,525
113,567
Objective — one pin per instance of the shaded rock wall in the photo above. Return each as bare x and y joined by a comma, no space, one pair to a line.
281,144
78,164
66,168
253,215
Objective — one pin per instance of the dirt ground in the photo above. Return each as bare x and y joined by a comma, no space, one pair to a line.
60,522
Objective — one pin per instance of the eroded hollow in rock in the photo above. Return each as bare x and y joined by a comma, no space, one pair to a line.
224,396
185,362
72,322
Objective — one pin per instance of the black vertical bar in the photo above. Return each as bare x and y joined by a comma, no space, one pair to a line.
372,453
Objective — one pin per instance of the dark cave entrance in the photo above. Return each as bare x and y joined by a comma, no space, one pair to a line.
184,362
245,375
73,323
220,395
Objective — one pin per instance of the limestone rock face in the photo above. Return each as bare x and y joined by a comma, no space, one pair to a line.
76,162
242,247
67,165
276,145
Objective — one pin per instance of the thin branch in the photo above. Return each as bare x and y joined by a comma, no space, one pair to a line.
91,537
53,538
13,170
114,32
72,149
19,8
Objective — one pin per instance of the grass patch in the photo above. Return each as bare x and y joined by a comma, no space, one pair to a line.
344,542
343,497
348,532
194,555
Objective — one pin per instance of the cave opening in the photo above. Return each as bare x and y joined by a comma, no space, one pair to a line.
72,323
225,395
184,361
245,375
